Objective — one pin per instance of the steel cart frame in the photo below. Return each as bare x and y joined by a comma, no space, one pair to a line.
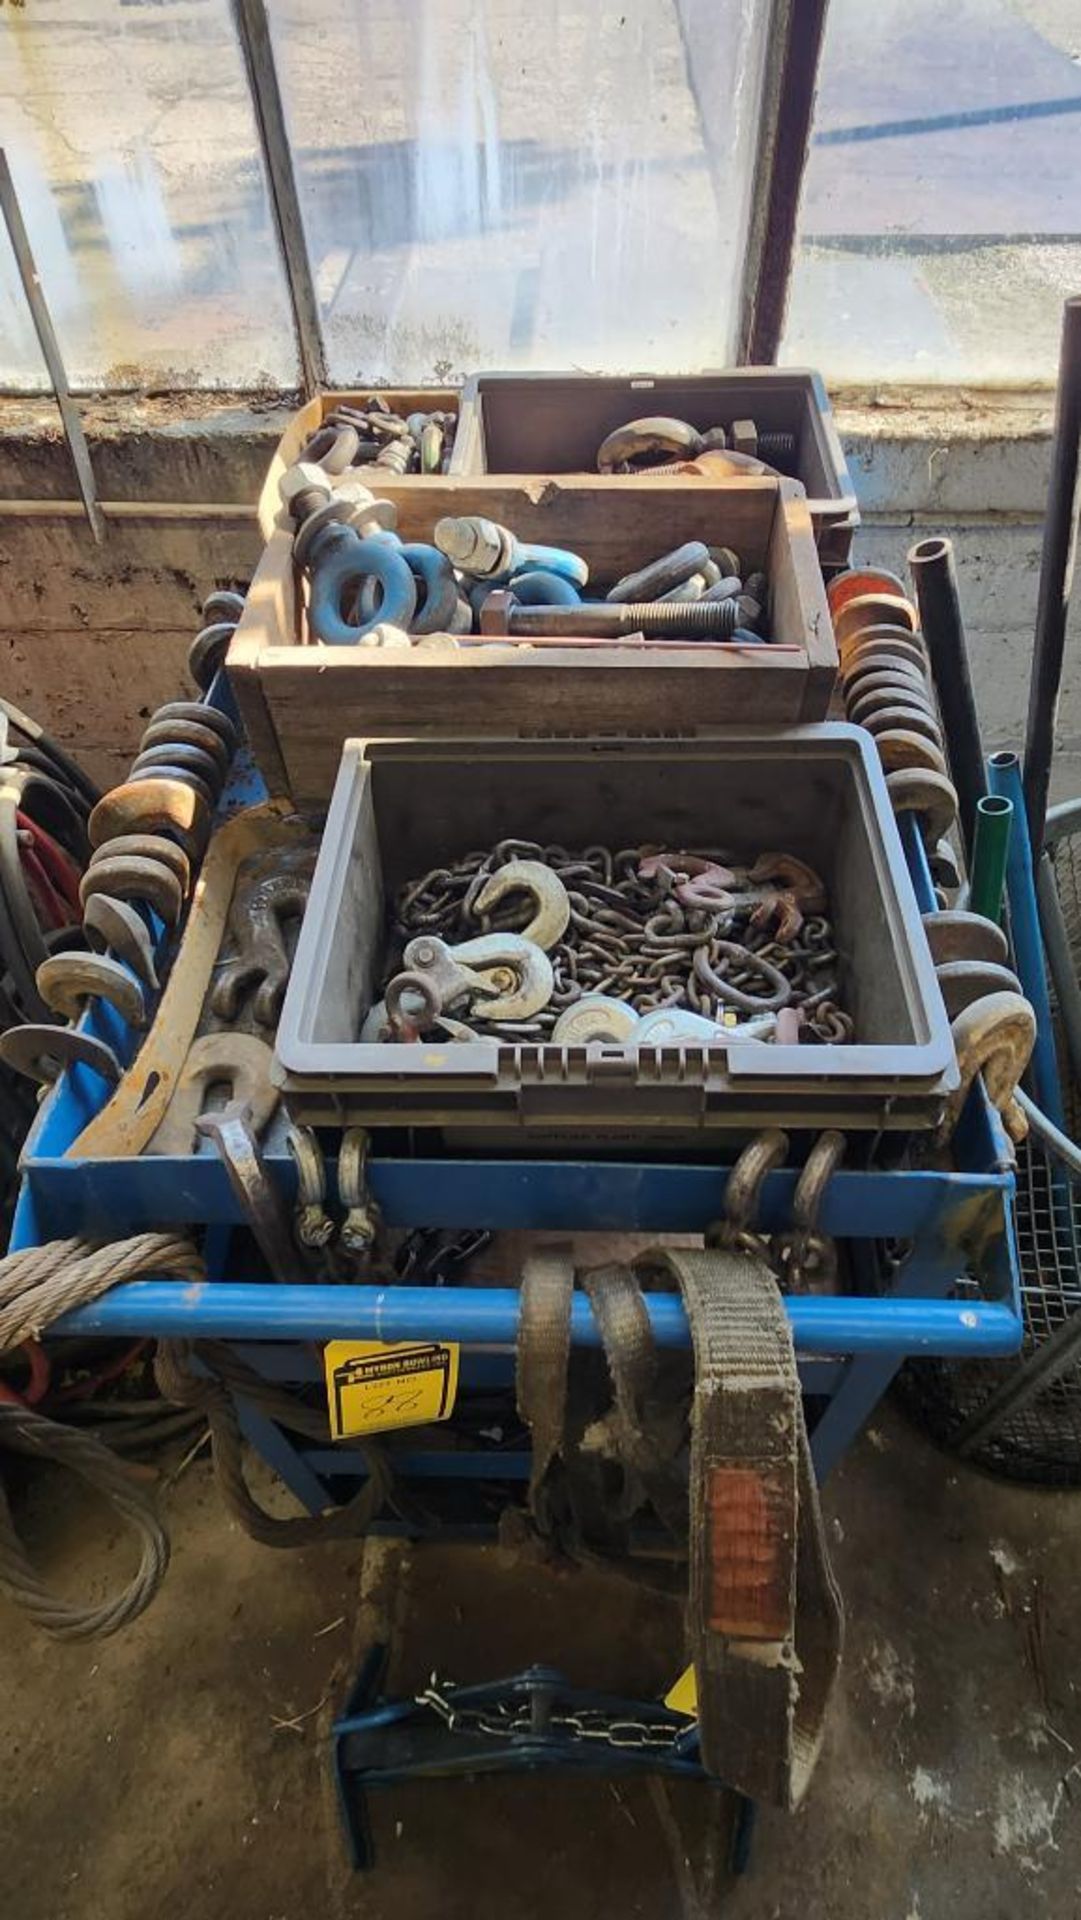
933,1253
951,1290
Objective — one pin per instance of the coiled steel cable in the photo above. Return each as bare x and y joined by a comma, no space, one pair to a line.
67,770
43,785
23,1431
41,1283
36,1287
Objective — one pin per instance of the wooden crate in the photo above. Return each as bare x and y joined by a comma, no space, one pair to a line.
300,700
307,419
554,422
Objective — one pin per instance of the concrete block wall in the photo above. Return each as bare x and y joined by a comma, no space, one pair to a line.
92,639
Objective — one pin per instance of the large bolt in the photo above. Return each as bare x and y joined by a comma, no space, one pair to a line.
690,620
671,570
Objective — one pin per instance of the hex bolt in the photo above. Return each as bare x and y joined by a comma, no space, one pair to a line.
692,620
725,589
483,548
368,513
301,481
671,570
745,437
692,589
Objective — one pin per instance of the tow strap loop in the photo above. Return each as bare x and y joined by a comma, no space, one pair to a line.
765,1618
765,1615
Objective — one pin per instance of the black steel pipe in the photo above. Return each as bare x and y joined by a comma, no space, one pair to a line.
935,577
1056,579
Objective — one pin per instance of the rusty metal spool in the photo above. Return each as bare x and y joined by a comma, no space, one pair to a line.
897,718
860,581
929,795
873,609
895,642
885,677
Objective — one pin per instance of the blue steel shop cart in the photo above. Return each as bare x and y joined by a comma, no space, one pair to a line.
931,1253
930,1269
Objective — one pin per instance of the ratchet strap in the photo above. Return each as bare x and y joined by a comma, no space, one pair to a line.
764,1617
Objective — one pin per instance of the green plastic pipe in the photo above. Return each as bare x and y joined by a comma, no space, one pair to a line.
994,820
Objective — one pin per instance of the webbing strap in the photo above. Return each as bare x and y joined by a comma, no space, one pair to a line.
765,1615
645,1448
544,1344
766,1621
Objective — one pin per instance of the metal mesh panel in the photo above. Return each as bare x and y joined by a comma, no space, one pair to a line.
1041,1440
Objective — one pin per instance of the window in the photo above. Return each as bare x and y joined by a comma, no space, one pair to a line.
486,183
131,140
941,222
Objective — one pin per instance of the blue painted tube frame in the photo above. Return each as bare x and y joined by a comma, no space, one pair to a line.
488,1317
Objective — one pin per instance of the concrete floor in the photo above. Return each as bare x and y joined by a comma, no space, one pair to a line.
180,1770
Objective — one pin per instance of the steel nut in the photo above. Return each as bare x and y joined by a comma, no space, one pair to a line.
304,476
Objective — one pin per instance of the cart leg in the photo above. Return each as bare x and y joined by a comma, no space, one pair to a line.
866,1376
280,1454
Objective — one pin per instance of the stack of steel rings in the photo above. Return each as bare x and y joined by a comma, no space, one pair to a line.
206,655
639,945
886,678
147,836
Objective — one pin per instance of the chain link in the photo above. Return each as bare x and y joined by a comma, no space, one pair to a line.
508,1722
630,937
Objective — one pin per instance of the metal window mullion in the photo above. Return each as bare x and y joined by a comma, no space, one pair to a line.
786,111
50,348
253,32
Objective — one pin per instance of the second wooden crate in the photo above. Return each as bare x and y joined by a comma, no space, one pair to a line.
300,700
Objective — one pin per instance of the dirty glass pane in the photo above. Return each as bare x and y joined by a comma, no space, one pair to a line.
941,223
130,135
489,183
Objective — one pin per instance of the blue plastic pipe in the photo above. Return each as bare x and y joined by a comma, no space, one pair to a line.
919,869
488,1317
1004,779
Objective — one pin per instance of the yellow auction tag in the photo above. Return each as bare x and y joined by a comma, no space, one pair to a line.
682,1695
373,1387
